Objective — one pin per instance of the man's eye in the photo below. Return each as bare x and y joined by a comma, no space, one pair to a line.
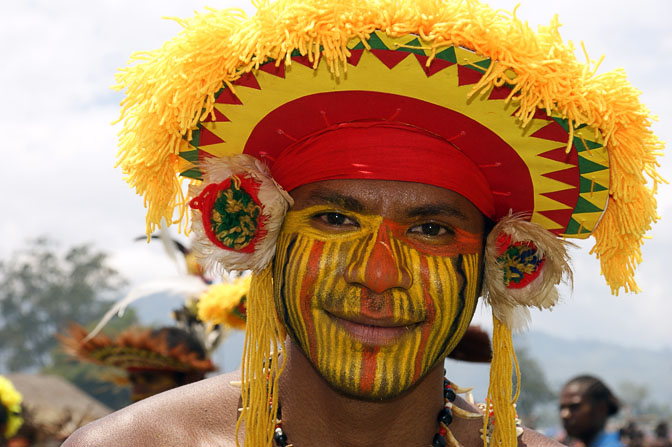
430,229
336,219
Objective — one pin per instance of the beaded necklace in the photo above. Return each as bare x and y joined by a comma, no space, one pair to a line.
442,438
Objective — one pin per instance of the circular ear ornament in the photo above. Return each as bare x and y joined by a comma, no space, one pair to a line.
520,262
237,213
523,265
231,213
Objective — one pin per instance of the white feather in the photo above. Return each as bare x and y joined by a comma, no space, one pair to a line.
187,285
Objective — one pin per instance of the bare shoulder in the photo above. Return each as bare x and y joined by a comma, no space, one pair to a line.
531,438
199,414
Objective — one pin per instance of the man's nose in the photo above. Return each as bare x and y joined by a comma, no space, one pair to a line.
378,267
565,413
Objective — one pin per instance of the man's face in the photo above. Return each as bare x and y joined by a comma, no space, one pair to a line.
581,417
377,280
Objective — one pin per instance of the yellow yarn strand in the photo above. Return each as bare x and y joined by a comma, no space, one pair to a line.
500,389
262,363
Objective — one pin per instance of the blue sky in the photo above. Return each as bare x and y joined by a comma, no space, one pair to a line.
59,60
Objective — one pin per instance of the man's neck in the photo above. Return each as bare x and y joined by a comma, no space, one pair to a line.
313,411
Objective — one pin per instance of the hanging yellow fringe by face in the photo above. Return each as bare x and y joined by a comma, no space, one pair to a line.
500,389
262,363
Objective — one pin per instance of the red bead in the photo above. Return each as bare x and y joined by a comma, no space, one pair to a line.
443,431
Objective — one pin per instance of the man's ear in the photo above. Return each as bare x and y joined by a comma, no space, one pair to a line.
523,265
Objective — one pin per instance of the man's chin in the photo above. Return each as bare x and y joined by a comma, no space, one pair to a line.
371,396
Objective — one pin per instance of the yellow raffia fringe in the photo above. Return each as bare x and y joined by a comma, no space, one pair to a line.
170,89
262,364
11,399
500,389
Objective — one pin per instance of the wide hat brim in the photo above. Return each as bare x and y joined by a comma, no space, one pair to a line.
553,139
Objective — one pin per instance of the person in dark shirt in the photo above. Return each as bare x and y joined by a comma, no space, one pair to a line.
585,405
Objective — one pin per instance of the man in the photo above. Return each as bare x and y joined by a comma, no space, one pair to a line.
376,165
585,405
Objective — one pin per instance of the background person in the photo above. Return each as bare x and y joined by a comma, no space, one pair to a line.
585,405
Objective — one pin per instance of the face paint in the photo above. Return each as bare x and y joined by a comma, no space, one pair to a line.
373,309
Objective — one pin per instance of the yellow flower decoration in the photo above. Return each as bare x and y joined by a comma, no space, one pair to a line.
11,399
225,303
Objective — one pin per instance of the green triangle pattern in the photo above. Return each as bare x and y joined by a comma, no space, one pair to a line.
376,43
192,173
484,64
585,186
586,166
584,206
191,156
297,53
447,55
573,228
359,46
196,134
415,42
580,146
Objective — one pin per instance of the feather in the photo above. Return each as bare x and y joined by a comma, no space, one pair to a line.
178,286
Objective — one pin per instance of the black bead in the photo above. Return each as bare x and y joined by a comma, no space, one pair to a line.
449,394
438,441
445,416
280,437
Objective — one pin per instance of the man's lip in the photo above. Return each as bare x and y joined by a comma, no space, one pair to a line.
374,331
385,321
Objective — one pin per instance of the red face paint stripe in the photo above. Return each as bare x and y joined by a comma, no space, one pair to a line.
431,315
307,289
368,374
464,242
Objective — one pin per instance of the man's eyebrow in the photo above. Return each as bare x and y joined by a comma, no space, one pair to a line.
433,209
321,196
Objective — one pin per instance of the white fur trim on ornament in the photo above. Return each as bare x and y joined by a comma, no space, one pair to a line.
272,199
524,263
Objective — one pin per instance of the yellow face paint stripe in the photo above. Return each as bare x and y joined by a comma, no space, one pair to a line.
299,257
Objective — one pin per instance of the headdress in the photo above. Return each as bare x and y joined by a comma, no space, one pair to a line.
462,96
138,349
10,399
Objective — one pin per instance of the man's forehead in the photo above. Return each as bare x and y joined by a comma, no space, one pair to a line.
375,196
572,393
